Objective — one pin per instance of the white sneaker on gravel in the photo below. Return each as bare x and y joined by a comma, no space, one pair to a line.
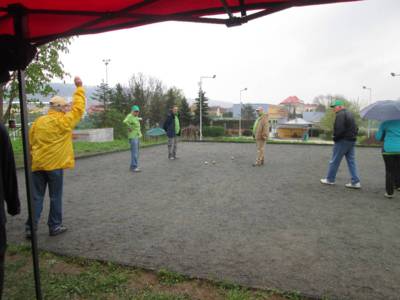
137,170
388,196
353,185
326,181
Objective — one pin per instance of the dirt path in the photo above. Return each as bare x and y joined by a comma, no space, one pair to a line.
274,227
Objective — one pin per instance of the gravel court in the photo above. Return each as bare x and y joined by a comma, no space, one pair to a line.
269,227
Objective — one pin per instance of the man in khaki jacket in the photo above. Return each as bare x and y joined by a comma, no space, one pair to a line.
260,133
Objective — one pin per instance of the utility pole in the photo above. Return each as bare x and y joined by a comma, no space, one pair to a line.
106,61
240,118
201,102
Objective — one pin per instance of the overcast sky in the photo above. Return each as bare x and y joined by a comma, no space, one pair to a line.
307,51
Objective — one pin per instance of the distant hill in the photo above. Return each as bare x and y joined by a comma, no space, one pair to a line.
215,103
66,90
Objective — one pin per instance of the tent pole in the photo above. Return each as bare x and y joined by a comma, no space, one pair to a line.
20,30
28,180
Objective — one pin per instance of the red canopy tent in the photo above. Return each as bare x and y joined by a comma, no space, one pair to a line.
48,19
25,24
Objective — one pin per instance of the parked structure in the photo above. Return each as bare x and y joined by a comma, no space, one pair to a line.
296,128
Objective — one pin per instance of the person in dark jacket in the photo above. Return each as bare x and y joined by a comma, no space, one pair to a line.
173,129
8,193
344,135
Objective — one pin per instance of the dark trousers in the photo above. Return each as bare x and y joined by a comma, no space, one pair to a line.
53,179
3,245
392,166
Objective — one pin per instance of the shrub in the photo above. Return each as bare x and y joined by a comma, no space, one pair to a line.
247,132
213,131
112,119
86,123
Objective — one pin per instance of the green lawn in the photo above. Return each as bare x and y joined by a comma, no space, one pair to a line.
83,149
76,278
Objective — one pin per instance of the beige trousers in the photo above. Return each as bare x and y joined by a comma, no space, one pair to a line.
260,151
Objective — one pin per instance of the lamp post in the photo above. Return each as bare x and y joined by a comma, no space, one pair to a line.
240,118
106,61
201,102
369,102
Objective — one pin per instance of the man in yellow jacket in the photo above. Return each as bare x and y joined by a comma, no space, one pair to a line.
260,134
52,152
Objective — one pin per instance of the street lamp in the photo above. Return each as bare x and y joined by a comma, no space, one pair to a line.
201,102
369,102
240,118
394,74
106,62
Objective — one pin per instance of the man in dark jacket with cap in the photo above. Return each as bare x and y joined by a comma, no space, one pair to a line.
173,129
8,193
344,135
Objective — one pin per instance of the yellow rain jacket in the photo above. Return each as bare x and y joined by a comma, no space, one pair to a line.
51,136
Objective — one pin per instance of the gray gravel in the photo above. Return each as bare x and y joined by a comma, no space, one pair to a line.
269,227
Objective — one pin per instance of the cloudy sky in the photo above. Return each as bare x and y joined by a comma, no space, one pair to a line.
308,51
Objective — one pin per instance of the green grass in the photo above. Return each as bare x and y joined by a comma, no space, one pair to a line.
83,149
79,278
170,278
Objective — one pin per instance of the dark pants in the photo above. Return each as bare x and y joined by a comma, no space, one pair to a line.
392,166
3,245
342,149
53,179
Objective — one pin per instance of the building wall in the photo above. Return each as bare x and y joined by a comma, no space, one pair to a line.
94,135
287,133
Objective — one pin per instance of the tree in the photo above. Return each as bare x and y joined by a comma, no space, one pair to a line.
204,102
102,95
185,113
111,119
41,71
248,112
170,99
323,102
120,100
328,120
147,92
228,114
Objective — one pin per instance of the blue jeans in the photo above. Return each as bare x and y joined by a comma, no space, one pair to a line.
340,149
40,180
134,153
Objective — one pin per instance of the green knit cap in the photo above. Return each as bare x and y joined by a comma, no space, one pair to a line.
135,108
337,102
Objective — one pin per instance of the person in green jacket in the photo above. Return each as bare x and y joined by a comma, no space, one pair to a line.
132,121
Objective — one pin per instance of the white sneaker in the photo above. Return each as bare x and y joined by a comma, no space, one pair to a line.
137,170
388,196
353,185
172,158
325,181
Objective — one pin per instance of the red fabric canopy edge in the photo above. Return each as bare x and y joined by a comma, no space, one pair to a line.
47,20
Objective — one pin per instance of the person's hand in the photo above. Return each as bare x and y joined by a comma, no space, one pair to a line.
78,81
